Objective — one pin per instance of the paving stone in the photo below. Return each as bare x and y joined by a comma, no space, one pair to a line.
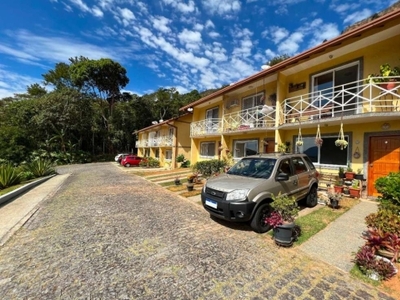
108,234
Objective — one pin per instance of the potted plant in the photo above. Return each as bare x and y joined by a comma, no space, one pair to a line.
190,187
342,143
349,174
285,209
341,172
191,178
338,187
299,143
282,148
385,76
354,189
359,175
177,181
334,199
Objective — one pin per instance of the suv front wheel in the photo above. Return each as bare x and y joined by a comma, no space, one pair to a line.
258,222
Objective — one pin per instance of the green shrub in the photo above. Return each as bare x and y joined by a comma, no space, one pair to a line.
388,186
180,158
40,167
185,164
9,176
150,162
209,167
384,220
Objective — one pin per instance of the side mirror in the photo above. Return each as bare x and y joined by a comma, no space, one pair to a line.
282,177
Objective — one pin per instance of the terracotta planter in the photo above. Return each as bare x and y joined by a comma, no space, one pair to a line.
190,187
349,175
338,189
355,192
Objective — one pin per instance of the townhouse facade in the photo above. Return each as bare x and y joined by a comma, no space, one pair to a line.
165,140
308,102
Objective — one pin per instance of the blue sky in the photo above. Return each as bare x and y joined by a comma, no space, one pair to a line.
186,44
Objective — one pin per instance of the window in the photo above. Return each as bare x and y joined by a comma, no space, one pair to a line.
245,148
147,152
327,154
168,154
284,167
253,100
157,154
207,149
171,132
329,85
299,165
212,120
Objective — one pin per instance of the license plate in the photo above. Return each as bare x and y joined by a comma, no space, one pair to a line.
211,203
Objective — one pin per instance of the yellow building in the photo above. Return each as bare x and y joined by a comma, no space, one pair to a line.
165,140
325,91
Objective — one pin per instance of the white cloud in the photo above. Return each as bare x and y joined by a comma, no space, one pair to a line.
181,6
292,44
278,33
162,24
222,7
12,83
357,16
125,16
209,24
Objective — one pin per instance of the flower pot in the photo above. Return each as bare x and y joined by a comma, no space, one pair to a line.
359,176
190,180
283,234
355,192
177,181
190,187
349,175
334,203
338,189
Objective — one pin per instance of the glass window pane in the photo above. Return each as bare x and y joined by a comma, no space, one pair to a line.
332,155
310,148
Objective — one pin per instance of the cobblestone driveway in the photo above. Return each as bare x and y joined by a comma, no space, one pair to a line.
110,235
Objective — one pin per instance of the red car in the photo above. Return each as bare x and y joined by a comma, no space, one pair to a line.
131,160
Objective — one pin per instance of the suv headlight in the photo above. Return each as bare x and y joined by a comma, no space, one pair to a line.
237,195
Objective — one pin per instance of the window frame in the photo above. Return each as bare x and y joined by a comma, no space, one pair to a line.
207,155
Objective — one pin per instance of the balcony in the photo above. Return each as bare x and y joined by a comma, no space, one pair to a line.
255,118
349,100
208,127
166,141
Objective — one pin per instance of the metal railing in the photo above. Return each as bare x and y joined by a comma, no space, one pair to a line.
354,98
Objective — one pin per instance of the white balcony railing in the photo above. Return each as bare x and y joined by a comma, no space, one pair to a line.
249,119
353,98
166,141
206,127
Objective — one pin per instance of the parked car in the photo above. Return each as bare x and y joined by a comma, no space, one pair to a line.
131,160
119,157
245,192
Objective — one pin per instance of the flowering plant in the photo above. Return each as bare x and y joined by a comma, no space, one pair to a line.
299,143
341,143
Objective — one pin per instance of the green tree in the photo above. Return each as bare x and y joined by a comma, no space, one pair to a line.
277,59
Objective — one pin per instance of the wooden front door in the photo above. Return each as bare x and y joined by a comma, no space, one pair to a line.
384,157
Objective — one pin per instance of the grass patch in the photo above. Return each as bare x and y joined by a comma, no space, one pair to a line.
14,187
191,193
357,273
177,188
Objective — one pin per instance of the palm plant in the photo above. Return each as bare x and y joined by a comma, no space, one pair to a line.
9,176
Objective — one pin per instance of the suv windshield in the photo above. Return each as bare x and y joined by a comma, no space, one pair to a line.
253,167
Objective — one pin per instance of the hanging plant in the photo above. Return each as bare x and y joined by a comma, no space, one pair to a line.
341,142
318,138
299,141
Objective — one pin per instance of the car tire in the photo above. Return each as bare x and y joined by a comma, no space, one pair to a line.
127,165
312,197
257,223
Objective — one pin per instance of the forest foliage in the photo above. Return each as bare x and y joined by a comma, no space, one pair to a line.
81,114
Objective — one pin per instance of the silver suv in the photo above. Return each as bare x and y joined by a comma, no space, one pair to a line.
245,191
